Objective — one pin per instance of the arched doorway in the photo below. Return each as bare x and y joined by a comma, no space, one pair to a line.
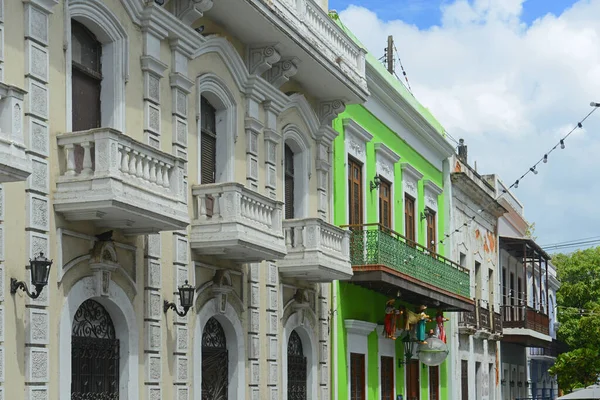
94,354
296,368
215,361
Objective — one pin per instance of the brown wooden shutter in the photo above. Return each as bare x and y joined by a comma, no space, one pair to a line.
208,142
414,387
409,219
357,377
385,204
355,191
289,182
86,78
387,378
431,236
464,379
434,383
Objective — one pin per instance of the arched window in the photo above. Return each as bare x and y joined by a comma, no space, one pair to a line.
208,142
94,354
215,360
86,78
289,182
296,368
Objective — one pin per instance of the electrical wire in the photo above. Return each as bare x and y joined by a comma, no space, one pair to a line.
532,170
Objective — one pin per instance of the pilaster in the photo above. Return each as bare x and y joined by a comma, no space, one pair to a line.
37,225
181,360
153,69
2,270
152,317
271,140
272,335
254,345
253,127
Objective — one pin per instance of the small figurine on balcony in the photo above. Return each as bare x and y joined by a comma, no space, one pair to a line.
422,321
440,331
391,314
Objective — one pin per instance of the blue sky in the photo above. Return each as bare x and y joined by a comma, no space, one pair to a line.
426,13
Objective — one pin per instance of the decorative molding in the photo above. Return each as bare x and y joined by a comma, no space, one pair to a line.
410,172
262,57
357,327
329,110
353,129
282,71
189,11
46,5
153,65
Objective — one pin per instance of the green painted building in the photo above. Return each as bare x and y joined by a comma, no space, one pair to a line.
390,170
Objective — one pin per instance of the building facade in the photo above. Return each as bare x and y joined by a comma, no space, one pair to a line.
475,246
149,144
390,174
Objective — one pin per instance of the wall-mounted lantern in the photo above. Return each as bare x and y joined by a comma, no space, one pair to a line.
186,299
375,183
40,270
428,212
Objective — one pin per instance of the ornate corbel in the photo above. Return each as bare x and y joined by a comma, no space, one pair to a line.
282,71
329,110
262,57
103,261
189,11
221,288
301,304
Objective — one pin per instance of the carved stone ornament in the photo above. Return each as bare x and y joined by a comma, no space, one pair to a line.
188,11
329,110
262,58
103,262
301,304
221,288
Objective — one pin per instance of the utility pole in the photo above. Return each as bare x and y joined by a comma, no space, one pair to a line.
390,55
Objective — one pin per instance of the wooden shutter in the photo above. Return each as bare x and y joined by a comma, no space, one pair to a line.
431,236
387,378
86,78
434,383
409,219
355,192
385,204
414,387
208,142
464,379
289,182
357,377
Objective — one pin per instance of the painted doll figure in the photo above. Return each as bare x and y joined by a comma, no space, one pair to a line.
440,331
389,324
420,329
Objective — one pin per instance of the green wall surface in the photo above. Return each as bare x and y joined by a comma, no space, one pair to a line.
354,302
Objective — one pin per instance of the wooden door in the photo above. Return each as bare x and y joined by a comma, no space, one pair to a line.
434,383
357,377
385,204
387,378
414,386
409,219
355,192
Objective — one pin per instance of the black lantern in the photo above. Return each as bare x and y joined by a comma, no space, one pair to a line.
520,384
40,270
503,382
375,183
186,299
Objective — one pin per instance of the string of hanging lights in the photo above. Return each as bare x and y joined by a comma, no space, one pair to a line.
532,170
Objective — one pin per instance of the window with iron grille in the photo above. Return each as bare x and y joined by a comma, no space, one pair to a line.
296,368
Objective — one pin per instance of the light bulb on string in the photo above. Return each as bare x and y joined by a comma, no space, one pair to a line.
516,185
545,158
562,144
535,171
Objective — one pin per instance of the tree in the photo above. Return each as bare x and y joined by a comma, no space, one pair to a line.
578,301
530,231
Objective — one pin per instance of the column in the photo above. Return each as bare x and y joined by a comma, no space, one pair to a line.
153,69
153,314
254,330
36,316
2,277
181,366
323,341
272,334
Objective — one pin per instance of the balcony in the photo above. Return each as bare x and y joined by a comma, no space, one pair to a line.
329,63
14,163
234,222
316,251
467,322
113,181
497,325
525,326
386,261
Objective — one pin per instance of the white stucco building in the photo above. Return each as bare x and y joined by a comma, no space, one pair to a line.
144,144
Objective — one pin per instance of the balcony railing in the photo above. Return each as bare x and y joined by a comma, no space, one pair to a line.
373,244
316,250
467,319
497,326
525,317
483,318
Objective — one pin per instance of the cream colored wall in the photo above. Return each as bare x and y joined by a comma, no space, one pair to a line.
15,197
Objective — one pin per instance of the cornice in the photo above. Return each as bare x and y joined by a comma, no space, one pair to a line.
386,152
362,328
356,130
154,65
46,5
409,170
432,188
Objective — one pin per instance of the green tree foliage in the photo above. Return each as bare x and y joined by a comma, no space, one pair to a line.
578,301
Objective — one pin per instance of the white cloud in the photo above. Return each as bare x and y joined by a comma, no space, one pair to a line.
511,89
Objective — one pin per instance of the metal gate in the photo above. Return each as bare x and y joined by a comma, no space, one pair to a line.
215,362
94,354
296,368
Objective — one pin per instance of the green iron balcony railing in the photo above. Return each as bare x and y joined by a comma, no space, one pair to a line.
373,244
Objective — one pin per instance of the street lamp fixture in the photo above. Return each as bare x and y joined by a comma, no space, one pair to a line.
186,299
40,270
375,183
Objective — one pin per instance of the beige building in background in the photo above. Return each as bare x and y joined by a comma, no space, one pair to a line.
200,135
